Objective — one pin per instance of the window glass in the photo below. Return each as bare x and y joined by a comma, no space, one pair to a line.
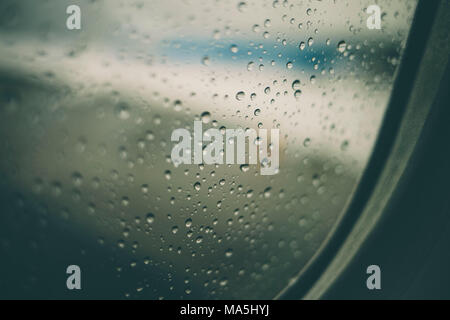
87,117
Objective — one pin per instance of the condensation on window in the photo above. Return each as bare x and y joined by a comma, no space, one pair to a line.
86,117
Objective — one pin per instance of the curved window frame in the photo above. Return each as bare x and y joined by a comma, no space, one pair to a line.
422,75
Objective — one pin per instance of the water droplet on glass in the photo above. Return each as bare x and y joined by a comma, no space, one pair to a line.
206,61
296,85
150,218
242,6
342,46
206,117
307,142
229,253
245,167
240,95
123,111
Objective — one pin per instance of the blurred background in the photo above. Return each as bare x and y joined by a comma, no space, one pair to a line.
86,118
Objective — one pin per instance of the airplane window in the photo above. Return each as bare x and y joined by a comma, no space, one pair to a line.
185,148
